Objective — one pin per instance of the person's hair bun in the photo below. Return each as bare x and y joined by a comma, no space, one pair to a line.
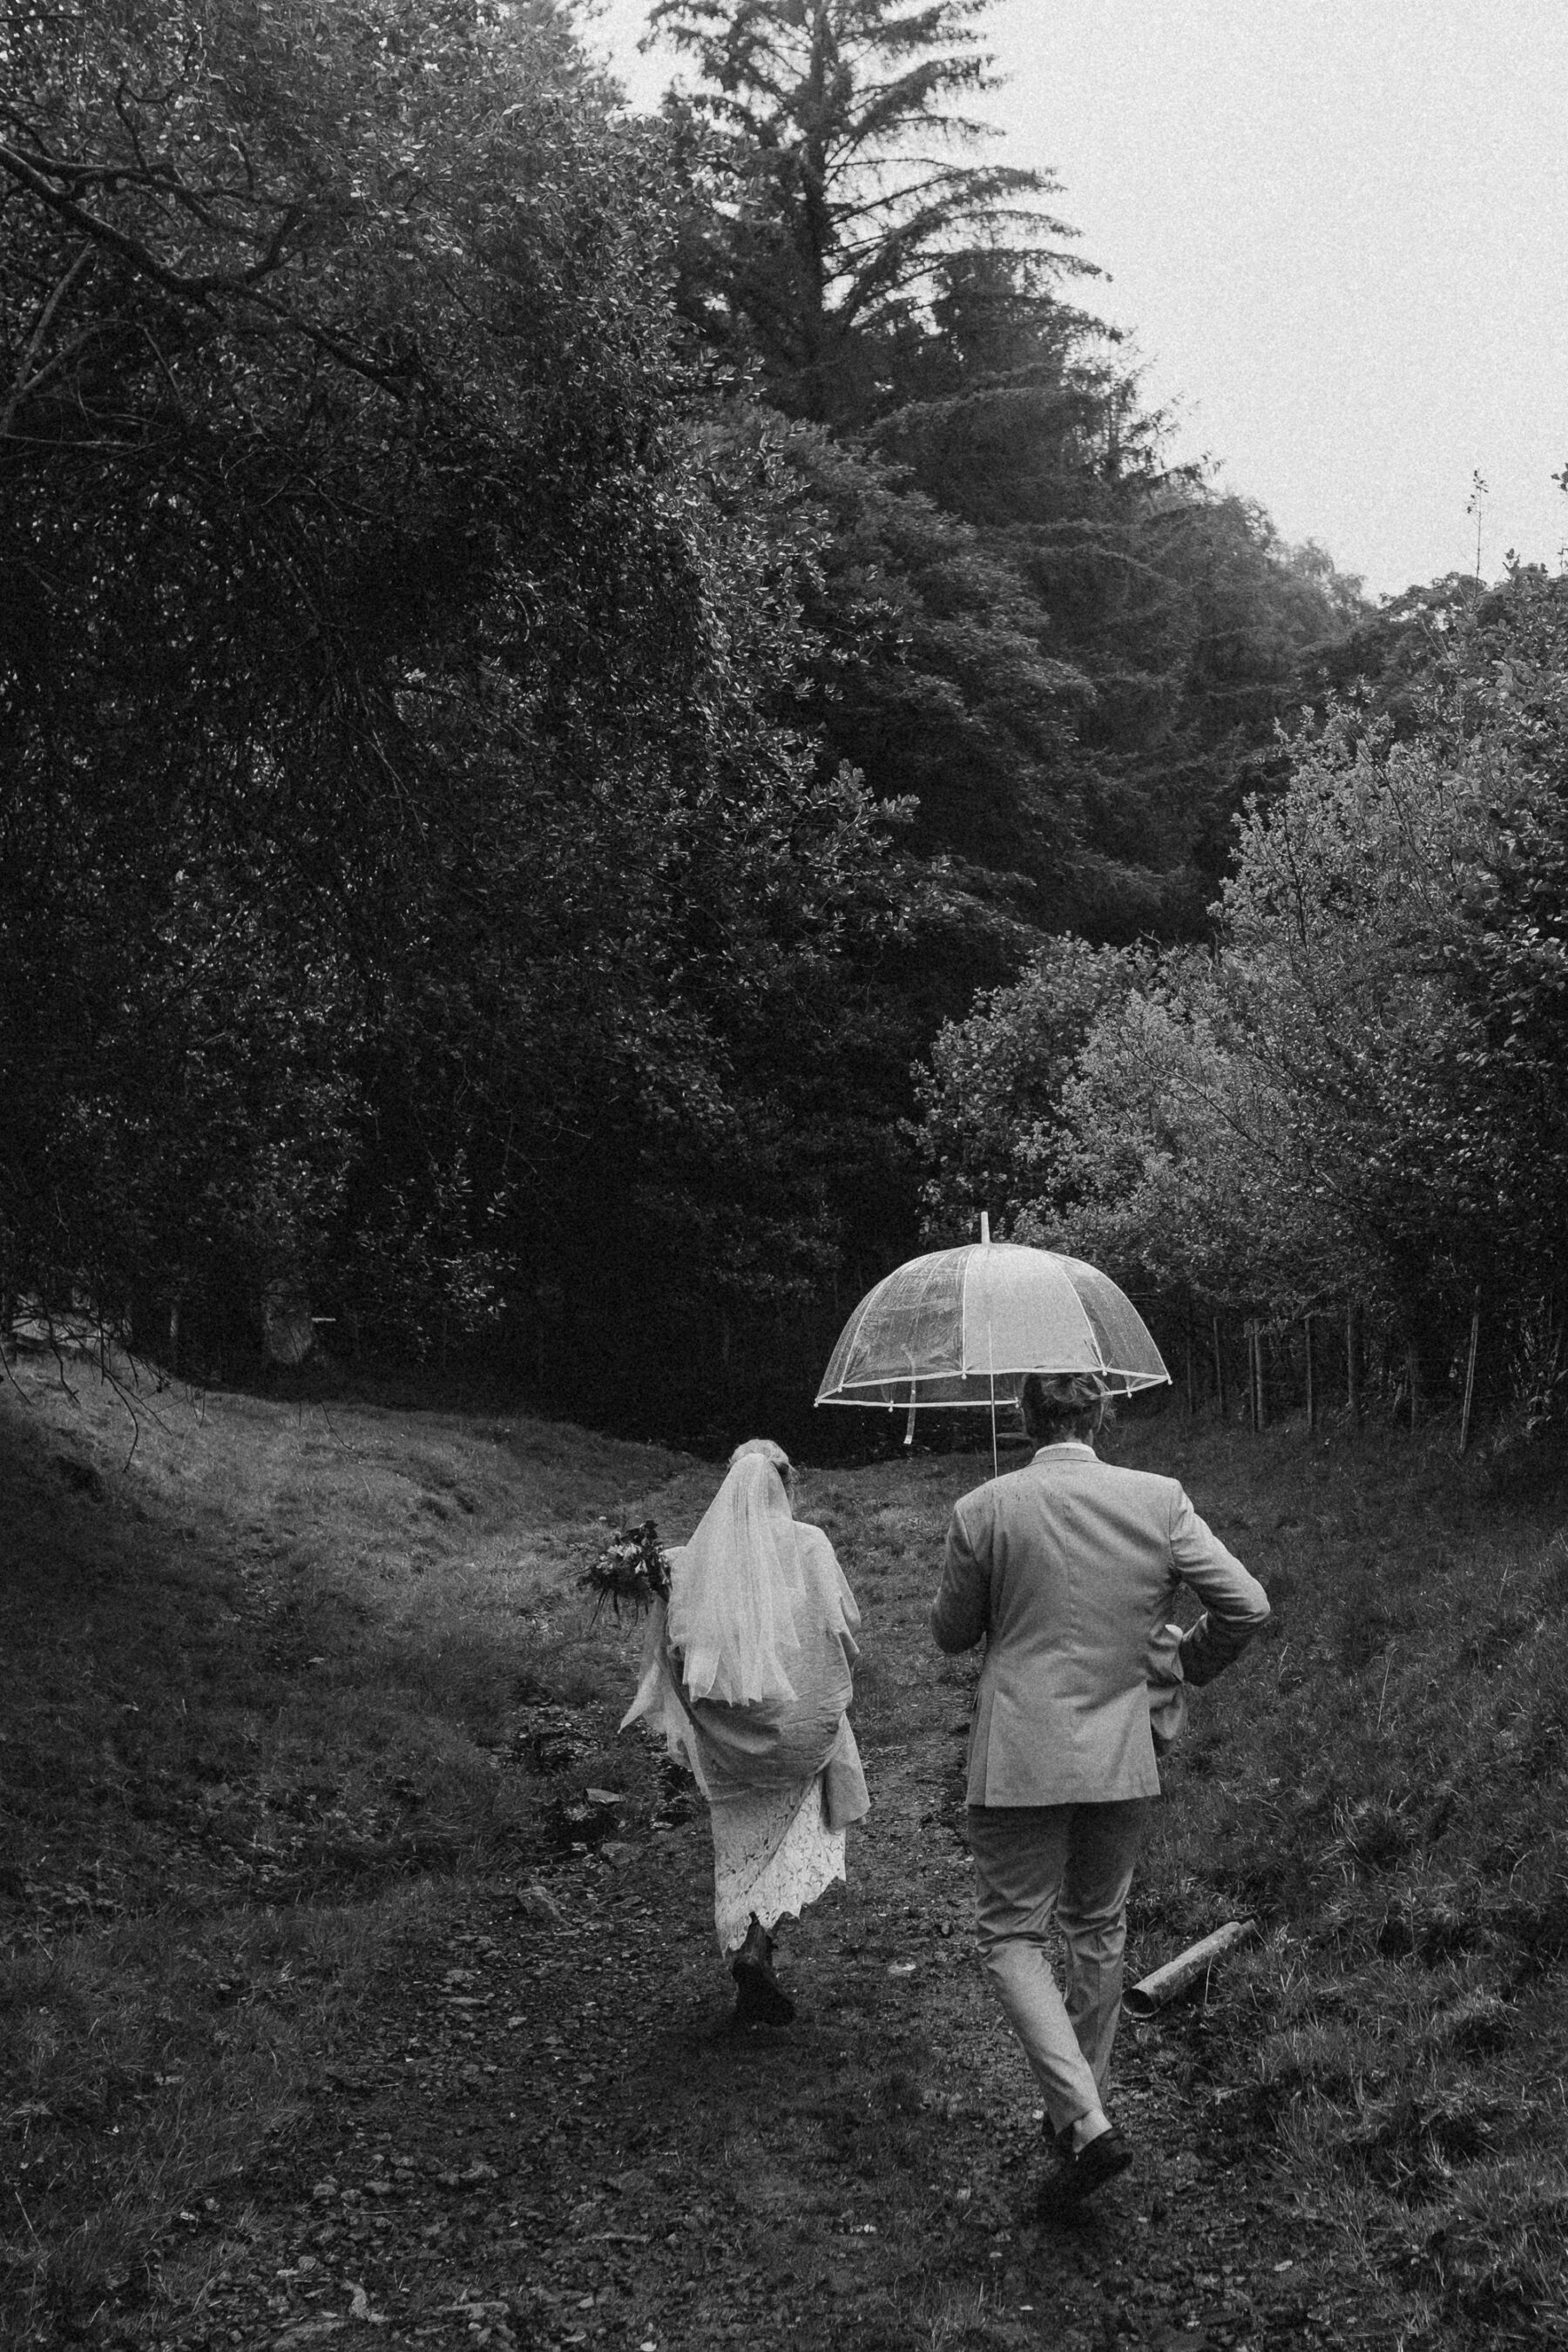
769,1451
1068,1391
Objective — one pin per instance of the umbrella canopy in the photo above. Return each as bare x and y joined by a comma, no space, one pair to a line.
963,1327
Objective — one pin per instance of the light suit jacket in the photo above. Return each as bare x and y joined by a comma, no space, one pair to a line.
1068,1570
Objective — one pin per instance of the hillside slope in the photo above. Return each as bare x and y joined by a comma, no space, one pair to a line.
332,2000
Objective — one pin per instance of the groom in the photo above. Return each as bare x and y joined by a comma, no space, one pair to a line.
1065,1569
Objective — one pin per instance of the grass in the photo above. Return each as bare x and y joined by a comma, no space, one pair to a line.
277,1675
1383,1785
264,1668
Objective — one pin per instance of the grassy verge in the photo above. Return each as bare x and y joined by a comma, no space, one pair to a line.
1383,1785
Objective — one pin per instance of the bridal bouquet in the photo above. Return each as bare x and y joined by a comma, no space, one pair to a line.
631,1572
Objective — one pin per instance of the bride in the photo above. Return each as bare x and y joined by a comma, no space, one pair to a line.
747,1672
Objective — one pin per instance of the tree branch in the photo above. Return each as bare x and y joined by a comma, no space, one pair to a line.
27,384
200,291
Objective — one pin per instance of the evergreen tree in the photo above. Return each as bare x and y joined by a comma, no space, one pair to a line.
1072,656
848,209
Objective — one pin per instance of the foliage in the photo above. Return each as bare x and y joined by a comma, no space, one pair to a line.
1322,1132
410,879
1286,1125
929,675
1509,961
991,1093
1358,1094
937,672
1093,737
832,151
489,812
1186,618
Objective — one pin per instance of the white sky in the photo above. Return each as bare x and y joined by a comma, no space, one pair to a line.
1339,232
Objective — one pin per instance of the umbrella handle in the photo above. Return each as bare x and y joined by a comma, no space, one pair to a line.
991,1354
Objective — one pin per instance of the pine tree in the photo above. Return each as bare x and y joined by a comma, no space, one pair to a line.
1069,653
853,213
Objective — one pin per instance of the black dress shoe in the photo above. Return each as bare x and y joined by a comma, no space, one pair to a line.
760,1998
1078,2176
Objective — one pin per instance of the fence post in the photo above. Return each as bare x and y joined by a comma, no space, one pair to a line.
1251,1381
1260,1410
1353,1361
1470,1375
1218,1370
1311,1382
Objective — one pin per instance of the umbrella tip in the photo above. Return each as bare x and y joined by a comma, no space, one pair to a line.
985,1229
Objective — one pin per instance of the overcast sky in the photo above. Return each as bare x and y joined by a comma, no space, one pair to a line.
1338,230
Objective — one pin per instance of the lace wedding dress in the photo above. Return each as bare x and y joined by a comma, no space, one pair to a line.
772,1854
747,1672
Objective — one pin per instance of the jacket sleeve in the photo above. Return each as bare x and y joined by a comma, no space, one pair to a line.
961,1613
1235,1603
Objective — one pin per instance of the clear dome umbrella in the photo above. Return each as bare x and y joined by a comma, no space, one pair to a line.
961,1328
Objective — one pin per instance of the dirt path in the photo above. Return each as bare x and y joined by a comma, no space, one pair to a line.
548,2132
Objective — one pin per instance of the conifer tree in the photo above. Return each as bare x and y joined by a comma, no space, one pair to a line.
849,250
855,200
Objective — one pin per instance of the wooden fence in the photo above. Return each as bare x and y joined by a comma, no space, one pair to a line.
1261,1368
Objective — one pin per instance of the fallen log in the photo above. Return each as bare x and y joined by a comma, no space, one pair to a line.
1151,1993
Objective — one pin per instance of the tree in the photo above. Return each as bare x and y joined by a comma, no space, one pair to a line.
408,881
991,1091
912,302
1357,1095
930,679
833,157
1188,621
1508,677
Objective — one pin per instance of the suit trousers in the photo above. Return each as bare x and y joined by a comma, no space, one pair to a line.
1070,1865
